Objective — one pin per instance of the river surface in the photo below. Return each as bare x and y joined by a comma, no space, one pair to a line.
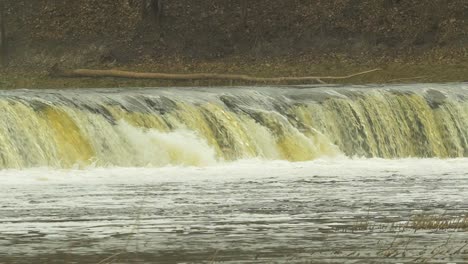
299,174
336,210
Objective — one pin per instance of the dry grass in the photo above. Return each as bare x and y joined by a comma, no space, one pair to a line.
439,222
417,222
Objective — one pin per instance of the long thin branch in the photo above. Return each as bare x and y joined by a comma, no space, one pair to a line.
55,71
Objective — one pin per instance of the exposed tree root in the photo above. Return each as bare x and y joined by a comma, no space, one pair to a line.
57,72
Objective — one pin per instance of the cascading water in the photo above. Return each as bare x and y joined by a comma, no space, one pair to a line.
157,127
88,173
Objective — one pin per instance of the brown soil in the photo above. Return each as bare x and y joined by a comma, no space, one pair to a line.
241,35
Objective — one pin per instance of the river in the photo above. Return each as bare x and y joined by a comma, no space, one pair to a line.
357,174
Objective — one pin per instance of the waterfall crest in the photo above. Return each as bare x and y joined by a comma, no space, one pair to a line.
158,127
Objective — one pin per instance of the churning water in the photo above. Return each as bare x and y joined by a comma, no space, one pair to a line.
252,175
203,126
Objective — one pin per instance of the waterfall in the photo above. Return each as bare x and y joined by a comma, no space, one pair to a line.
200,126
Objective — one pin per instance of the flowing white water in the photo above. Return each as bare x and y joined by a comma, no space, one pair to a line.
238,175
160,127
244,170
249,211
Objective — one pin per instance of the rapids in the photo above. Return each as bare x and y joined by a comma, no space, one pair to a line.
203,126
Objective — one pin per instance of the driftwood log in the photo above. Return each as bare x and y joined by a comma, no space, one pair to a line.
57,72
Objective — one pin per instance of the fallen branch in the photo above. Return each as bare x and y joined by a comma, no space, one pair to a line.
56,72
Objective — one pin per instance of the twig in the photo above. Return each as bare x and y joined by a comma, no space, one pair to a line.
214,256
109,258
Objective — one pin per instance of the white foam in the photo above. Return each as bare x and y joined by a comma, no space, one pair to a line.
179,147
240,170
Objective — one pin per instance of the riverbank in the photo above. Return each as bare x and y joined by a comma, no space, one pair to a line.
262,38
421,71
